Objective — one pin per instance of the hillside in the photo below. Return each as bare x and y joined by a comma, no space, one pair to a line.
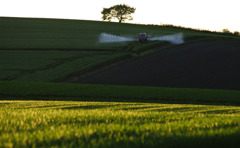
204,64
55,50
33,33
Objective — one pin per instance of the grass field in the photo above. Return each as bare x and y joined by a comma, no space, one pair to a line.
85,92
116,116
117,124
44,114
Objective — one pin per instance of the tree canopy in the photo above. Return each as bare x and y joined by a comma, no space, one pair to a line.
121,12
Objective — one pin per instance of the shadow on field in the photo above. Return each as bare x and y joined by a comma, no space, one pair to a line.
154,139
178,109
103,99
44,107
88,107
137,108
64,107
227,111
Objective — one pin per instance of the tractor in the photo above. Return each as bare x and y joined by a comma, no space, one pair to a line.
142,37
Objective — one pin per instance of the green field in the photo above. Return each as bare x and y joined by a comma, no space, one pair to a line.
50,114
29,65
116,116
117,124
87,92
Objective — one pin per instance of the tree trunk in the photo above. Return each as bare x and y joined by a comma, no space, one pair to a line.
120,19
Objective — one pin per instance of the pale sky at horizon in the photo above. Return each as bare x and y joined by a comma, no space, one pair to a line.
212,15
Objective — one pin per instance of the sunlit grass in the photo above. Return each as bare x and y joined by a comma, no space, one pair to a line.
116,124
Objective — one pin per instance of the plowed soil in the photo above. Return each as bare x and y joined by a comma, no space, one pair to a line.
204,64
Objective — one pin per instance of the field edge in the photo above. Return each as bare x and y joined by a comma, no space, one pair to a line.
16,90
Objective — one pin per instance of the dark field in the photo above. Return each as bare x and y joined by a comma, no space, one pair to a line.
203,64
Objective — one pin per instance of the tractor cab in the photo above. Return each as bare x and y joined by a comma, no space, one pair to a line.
142,37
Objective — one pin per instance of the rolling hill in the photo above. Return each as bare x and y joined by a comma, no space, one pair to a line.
38,110
55,50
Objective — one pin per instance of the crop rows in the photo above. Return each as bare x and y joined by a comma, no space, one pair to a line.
49,65
116,124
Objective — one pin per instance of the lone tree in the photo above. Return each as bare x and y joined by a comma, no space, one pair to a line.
226,31
121,12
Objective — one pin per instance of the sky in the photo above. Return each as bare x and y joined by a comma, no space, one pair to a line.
214,15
